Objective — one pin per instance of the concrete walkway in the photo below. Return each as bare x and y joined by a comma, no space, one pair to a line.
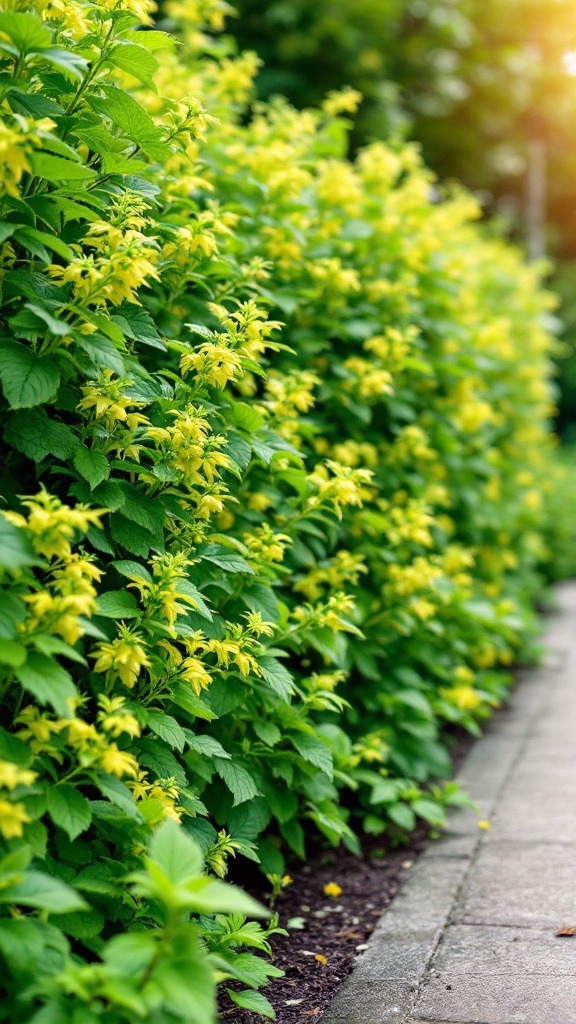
471,937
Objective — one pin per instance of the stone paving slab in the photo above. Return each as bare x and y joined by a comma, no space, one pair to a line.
551,790
469,949
471,937
519,884
509,999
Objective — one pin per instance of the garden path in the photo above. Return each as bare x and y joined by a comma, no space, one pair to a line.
472,937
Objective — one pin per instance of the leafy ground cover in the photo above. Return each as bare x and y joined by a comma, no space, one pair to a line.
274,476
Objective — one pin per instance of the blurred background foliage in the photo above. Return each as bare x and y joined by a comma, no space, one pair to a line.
487,87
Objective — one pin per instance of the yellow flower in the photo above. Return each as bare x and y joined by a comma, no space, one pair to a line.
118,762
12,776
13,817
332,889
124,657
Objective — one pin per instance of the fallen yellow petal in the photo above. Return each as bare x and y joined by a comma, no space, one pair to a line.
321,959
484,824
332,889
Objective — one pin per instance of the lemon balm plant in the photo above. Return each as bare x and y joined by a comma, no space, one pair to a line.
270,500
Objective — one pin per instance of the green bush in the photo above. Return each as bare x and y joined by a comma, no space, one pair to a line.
253,569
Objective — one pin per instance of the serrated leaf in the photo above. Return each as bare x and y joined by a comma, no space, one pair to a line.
176,853
25,30
58,168
47,643
152,40
125,112
237,778
254,1001
34,317
314,751
135,59
277,676
207,745
117,604
136,323
184,698
36,435
46,680
224,559
27,379
155,755
72,64
69,809
117,793
167,728
92,465
132,569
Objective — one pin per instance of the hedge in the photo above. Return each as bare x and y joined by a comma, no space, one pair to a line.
274,438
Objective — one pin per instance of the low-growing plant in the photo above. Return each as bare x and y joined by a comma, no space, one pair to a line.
274,432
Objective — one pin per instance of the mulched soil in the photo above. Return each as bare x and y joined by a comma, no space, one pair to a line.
335,928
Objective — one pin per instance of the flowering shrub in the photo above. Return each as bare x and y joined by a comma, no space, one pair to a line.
274,444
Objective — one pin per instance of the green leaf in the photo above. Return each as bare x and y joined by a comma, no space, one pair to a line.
27,379
25,30
13,749
152,40
117,793
132,569
58,168
35,318
36,240
136,323
125,112
186,984
314,751
176,853
12,653
430,811
277,676
36,435
386,791
92,465
403,816
21,942
237,778
131,536
72,64
156,755
80,926
69,809
225,559
200,606
47,643
207,745
184,698
117,604
40,890
139,508
135,59
254,1001
16,551
167,729
46,680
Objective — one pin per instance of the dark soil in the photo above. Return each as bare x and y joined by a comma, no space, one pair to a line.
334,927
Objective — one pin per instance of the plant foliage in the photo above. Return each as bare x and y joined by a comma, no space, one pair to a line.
274,442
